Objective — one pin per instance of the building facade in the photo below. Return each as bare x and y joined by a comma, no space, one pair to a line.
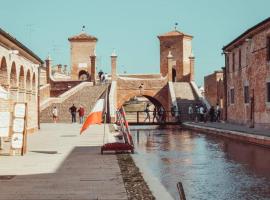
247,77
180,46
19,77
82,46
213,88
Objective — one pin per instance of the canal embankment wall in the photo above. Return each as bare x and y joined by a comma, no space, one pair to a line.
251,137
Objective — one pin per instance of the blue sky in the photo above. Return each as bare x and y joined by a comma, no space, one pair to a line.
130,27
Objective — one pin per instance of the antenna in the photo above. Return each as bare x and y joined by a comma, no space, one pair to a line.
175,26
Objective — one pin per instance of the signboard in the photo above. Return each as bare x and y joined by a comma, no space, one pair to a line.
82,65
17,141
4,124
19,110
18,125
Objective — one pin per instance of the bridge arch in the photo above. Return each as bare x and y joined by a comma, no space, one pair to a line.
152,96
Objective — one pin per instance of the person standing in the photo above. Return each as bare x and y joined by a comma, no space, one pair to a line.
147,112
155,114
81,114
190,113
73,111
201,110
218,112
55,114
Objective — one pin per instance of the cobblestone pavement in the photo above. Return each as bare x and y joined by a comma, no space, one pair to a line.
232,127
61,164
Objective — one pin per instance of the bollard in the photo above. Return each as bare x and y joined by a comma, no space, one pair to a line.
181,191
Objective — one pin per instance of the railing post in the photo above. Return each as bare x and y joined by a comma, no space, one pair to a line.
138,117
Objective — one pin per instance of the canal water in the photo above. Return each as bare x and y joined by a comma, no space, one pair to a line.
209,167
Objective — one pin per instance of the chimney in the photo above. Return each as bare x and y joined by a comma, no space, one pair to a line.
192,64
59,68
93,68
48,64
113,65
65,69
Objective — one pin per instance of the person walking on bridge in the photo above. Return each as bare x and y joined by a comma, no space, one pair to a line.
155,114
73,111
147,112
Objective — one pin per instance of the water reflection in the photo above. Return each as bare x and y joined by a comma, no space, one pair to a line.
209,167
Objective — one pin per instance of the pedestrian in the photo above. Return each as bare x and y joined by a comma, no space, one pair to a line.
201,111
190,112
155,114
106,78
73,111
218,112
99,75
81,114
212,114
55,114
161,114
147,110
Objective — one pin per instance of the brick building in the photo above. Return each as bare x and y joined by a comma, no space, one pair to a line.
214,89
82,46
180,46
19,77
247,77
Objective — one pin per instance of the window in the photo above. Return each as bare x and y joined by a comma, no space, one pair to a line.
233,62
232,96
239,57
246,94
268,91
268,48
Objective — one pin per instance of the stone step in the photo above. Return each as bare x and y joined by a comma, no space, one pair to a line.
85,96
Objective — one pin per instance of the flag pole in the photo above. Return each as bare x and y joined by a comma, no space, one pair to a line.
105,115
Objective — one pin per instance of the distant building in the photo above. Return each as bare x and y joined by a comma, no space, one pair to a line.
247,77
19,77
214,90
82,46
180,46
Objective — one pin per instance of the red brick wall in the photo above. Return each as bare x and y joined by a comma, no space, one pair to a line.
255,72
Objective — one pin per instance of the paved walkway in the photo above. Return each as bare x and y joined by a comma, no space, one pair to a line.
232,127
61,164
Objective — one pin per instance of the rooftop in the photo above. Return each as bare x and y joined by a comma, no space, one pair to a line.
19,44
174,33
82,37
249,32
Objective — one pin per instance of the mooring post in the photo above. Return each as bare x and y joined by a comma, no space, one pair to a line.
181,191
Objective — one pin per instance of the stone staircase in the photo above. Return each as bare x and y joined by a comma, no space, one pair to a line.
185,96
84,94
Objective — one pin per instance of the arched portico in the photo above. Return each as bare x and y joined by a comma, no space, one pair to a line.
3,73
21,85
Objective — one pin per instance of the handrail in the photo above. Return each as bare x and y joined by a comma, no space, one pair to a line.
181,191
164,116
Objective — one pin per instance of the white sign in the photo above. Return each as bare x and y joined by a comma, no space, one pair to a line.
17,141
4,124
82,65
4,119
18,125
3,93
19,110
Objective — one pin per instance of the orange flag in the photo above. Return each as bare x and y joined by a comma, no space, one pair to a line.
95,117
